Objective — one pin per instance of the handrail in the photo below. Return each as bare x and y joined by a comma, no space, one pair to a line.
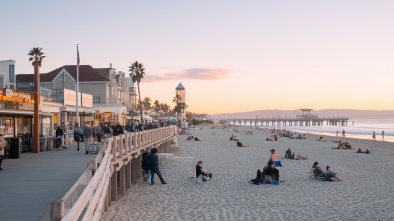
90,202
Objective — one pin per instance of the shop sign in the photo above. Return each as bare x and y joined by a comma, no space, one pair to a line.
87,100
26,106
70,98
15,96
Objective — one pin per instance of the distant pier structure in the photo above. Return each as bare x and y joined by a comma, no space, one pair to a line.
306,119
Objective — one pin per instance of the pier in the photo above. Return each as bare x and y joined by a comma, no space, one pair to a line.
306,119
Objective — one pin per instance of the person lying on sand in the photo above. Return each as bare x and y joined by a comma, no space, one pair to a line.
299,157
239,144
196,139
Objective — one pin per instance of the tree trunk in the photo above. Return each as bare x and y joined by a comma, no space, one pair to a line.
139,98
36,134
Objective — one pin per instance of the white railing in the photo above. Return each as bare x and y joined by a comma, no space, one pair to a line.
88,204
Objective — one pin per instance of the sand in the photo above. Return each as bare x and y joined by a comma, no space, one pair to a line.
365,194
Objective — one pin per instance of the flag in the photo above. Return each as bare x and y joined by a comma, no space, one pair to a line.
78,60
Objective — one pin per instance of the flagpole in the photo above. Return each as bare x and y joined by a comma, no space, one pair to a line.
77,88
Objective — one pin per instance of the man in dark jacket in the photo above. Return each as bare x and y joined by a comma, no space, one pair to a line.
59,135
118,129
155,167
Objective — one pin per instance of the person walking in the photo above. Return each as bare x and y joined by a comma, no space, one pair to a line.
87,135
59,137
382,134
98,131
155,167
373,135
3,144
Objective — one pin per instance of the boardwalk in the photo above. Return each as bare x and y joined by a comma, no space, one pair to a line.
30,183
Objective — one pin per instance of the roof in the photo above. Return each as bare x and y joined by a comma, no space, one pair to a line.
86,73
180,87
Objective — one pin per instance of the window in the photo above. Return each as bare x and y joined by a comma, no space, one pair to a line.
96,99
11,69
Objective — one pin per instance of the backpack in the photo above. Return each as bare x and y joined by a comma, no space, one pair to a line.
148,162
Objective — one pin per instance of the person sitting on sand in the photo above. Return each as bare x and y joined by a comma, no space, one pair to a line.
188,138
205,175
329,174
258,180
274,156
359,151
196,139
232,137
289,154
367,152
270,173
299,157
318,170
192,137
321,138
239,144
347,145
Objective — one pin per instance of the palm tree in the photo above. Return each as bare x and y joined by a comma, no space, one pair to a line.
137,72
36,55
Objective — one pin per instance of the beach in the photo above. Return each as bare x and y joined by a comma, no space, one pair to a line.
364,194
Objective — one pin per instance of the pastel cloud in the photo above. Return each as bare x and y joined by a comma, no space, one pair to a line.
204,74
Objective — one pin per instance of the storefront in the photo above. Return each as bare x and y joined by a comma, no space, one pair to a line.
69,109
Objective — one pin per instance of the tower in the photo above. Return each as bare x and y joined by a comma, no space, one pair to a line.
180,92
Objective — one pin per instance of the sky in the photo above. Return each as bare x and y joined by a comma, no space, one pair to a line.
231,56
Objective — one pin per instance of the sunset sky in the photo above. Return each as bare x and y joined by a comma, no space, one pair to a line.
231,56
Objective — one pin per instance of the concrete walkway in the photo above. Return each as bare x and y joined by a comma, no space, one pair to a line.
28,184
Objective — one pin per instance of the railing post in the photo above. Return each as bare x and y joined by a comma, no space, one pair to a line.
57,210
94,167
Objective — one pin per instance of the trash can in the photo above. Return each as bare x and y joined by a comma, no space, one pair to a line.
15,150
50,142
43,144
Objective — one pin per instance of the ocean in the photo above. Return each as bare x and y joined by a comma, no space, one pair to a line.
356,128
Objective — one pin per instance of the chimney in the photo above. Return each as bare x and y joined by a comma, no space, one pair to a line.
110,65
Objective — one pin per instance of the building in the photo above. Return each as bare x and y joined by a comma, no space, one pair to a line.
112,96
7,74
180,91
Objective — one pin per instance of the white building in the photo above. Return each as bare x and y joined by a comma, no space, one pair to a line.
7,74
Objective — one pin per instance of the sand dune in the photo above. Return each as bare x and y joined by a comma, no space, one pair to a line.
365,193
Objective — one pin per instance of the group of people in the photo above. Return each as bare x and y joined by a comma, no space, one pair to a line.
272,138
270,175
345,145
366,151
328,175
190,138
150,165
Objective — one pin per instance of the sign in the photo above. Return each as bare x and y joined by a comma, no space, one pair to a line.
87,100
26,106
15,96
70,98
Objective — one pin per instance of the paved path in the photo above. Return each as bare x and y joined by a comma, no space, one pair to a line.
30,183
